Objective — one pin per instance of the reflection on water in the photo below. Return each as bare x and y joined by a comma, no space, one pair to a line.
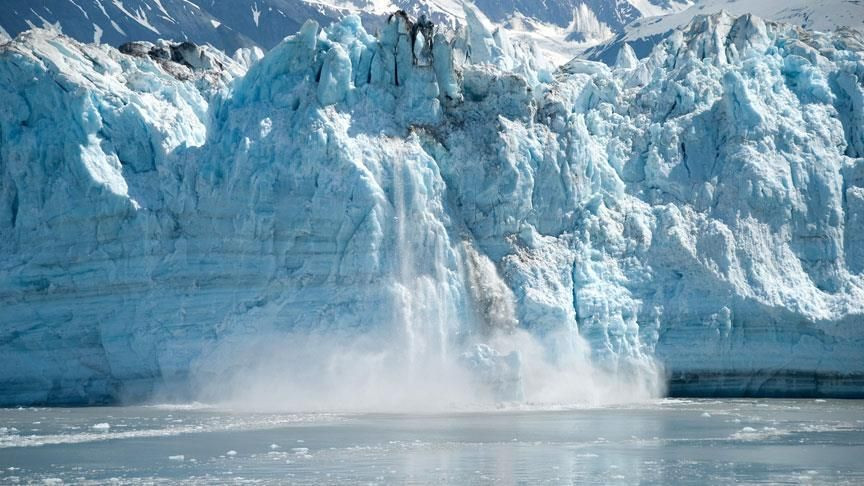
667,441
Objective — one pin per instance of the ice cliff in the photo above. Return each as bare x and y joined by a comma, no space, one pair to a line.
168,213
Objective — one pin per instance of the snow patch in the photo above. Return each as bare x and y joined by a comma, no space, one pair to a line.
256,14
97,34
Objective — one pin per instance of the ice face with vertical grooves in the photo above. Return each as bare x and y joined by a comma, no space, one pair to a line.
440,203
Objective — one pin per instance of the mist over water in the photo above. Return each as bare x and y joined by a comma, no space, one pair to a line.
375,373
450,339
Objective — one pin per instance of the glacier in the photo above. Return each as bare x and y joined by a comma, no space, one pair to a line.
396,213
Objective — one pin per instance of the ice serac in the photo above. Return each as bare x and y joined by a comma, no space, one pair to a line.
89,146
444,197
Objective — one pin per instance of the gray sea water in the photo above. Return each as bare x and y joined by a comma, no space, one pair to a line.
672,441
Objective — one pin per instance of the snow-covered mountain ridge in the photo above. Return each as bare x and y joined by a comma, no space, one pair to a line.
643,34
560,27
697,212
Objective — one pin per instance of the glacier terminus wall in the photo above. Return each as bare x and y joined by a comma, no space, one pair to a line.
424,203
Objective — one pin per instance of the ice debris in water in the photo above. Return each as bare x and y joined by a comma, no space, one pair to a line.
500,372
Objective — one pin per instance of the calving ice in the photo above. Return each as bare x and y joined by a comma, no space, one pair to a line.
432,217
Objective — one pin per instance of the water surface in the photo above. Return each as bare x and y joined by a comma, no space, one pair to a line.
661,442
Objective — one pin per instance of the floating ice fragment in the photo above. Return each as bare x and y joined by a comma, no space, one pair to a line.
179,458
231,453
102,426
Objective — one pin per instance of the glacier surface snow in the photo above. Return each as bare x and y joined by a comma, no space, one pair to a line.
436,204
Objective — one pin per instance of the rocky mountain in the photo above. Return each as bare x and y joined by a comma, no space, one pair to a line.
643,34
560,27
